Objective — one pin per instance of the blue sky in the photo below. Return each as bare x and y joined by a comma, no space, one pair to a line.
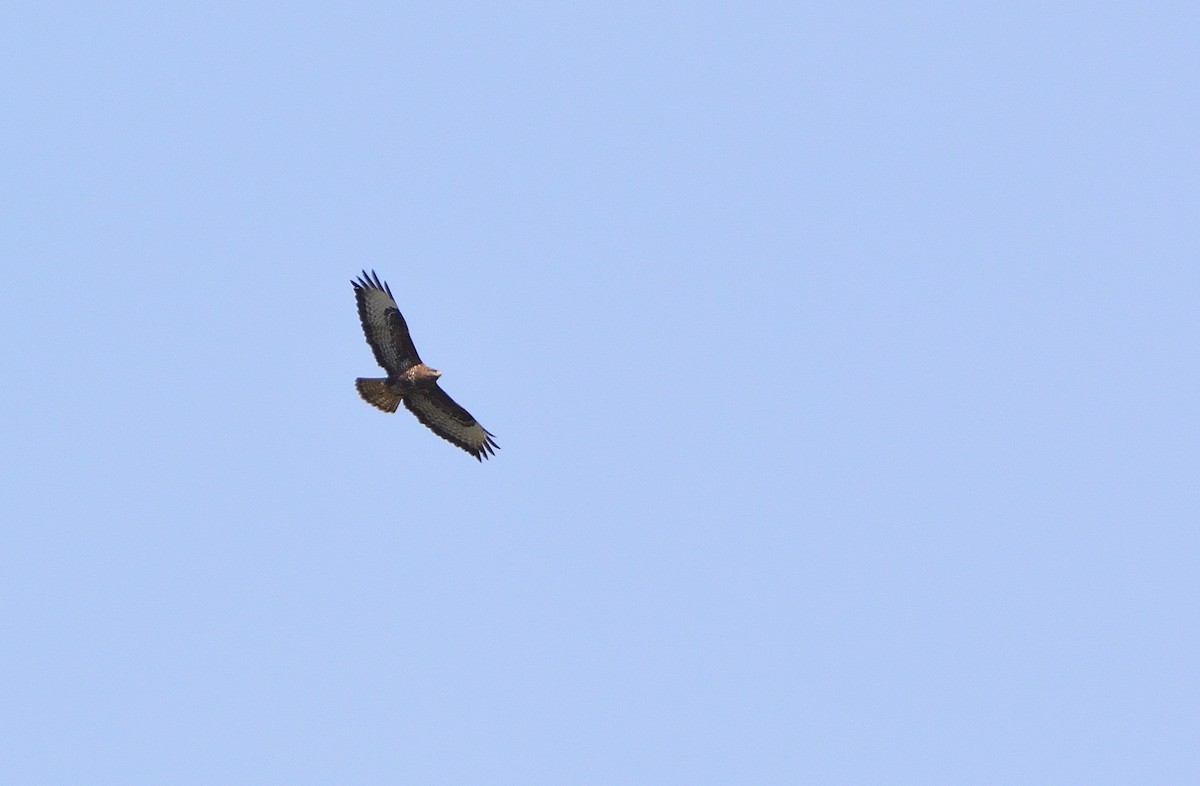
842,358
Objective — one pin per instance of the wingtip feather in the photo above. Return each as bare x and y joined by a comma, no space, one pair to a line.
371,281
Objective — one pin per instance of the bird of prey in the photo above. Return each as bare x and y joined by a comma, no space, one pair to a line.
408,379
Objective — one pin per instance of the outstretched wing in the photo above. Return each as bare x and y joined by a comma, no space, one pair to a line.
449,421
384,325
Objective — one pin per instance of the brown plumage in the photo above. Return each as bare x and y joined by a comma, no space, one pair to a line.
409,381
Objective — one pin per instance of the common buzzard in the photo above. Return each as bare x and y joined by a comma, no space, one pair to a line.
408,379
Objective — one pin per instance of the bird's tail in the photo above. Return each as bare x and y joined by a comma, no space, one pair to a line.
376,393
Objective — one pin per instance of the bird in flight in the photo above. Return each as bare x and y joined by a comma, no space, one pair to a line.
408,379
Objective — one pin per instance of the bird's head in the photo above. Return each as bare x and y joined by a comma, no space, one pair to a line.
422,372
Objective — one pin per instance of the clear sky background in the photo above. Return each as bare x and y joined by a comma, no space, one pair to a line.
843,359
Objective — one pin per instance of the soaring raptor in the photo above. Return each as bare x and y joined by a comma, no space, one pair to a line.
408,379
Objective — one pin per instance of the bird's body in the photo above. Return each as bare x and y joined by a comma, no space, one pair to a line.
409,381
